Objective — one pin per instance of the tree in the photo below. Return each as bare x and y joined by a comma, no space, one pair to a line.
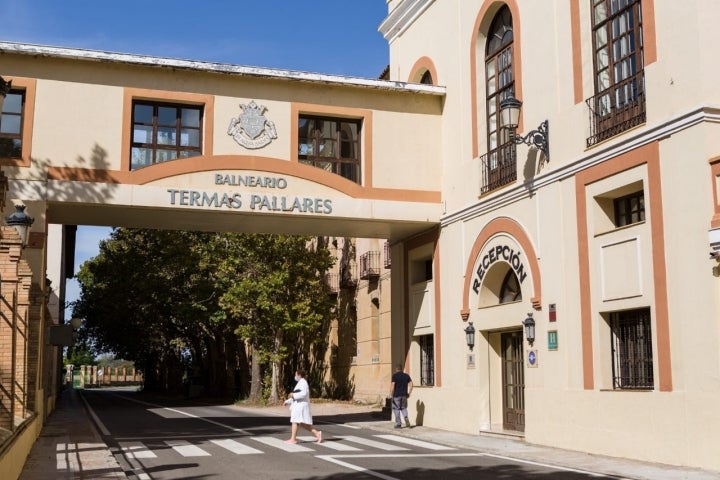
279,295
171,300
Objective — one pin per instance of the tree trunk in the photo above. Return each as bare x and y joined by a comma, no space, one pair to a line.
255,377
275,385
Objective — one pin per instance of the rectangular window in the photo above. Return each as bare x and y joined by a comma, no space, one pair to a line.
629,209
427,359
619,101
163,132
11,122
631,343
332,144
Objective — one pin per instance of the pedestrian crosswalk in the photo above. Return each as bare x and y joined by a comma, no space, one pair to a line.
255,445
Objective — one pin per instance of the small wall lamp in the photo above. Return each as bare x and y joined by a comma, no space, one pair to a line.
4,90
510,117
470,335
529,324
21,221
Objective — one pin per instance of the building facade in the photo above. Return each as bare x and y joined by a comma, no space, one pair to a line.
541,265
602,239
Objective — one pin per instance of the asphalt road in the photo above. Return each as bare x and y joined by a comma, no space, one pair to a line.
160,439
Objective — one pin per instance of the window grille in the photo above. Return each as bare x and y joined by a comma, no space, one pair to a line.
631,338
499,167
629,209
387,262
427,360
369,265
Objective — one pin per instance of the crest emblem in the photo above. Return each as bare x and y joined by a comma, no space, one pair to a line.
251,128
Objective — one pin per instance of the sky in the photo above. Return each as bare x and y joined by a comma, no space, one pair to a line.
325,36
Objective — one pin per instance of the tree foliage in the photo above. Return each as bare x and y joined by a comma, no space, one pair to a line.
175,301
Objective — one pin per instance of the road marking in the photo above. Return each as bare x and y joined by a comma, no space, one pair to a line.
331,444
174,410
336,460
236,447
414,442
100,424
134,450
554,467
372,443
278,443
186,449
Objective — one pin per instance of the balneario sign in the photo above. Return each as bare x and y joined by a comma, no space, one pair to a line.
252,201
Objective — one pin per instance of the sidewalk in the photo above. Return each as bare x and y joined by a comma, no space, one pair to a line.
69,447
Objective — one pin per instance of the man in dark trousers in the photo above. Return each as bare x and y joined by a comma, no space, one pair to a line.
400,388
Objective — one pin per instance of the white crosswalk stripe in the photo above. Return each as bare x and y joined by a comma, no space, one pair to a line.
186,449
373,443
136,450
413,442
279,443
331,444
236,447
342,443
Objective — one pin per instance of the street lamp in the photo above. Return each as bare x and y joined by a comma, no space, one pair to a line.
470,335
529,324
21,221
510,117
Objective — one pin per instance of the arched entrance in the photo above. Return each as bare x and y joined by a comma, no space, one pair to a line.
502,284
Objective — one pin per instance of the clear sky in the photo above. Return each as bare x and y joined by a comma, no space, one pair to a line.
326,36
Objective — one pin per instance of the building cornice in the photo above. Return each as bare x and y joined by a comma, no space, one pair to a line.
213,67
401,17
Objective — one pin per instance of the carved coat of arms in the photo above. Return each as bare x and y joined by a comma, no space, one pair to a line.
251,129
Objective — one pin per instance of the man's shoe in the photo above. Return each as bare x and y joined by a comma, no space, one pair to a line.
397,425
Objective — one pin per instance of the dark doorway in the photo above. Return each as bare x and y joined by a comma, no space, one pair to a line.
513,379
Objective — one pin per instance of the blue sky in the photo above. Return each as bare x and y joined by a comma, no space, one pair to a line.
326,36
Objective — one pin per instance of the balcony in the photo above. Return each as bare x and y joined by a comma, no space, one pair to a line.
332,280
369,265
348,276
617,109
499,167
387,257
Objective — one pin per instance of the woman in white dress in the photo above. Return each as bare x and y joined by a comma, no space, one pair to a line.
300,415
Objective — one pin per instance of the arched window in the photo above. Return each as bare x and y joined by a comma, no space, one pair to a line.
427,78
510,290
499,168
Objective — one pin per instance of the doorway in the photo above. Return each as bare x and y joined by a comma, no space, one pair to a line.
513,381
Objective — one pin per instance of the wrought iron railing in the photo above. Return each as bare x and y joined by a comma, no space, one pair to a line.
498,167
617,109
387,255
369,265
333,282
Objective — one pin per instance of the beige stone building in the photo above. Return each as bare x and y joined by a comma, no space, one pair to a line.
557,280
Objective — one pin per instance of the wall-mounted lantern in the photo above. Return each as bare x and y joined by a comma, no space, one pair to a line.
529,324
470,335
510,117
21,221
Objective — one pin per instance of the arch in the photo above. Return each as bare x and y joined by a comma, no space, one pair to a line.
422,65
515,230
482,23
